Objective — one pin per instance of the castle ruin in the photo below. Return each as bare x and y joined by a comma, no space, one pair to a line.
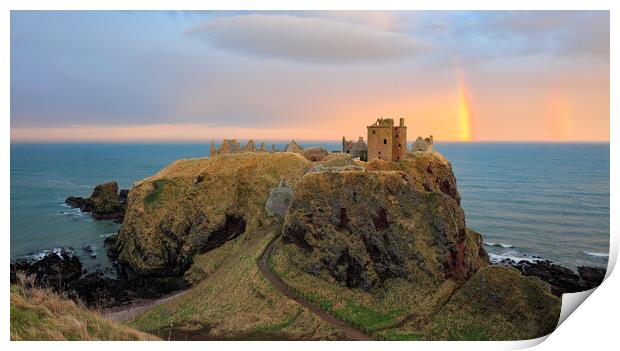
356,149
423,145
232,146
386,141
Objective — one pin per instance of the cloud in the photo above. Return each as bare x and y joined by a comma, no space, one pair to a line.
306,39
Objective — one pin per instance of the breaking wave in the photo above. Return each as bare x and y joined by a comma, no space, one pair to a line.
505,246
597,254
514,256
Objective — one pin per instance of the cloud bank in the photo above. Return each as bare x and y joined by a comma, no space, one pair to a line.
306,39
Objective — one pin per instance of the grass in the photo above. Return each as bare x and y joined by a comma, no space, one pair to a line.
152,199
39,314
371,318
381,311
234,301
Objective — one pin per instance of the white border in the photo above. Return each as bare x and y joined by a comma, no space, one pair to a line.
593,323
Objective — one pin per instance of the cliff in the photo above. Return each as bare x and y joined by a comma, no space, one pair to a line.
193,206
387,249
362,228
429,171
383,245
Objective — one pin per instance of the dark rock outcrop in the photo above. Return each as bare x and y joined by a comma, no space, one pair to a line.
53,268
105,203
591,276
561,279
365,227
61,270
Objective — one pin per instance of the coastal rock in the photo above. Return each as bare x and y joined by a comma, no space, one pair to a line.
314,154
105,203
170,218
362,228
591,276
561,279
498,303
53,268
100,289
429,171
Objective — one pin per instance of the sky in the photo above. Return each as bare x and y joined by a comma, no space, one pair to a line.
151,76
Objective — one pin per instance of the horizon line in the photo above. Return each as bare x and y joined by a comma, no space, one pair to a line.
208,141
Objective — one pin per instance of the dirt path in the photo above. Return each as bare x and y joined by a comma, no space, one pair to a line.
349,331
125,313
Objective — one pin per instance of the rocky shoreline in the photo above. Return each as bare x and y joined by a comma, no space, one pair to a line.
61,270
560,279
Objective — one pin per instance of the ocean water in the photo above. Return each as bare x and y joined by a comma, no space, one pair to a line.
545,200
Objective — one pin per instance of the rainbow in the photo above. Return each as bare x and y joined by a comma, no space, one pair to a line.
464,109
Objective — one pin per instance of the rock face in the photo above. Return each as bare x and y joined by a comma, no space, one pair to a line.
106,202
51,269
498,303
561,279
171,217
362,228
314,154
429,171
279,200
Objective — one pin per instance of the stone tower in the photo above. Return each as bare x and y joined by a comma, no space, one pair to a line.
386,141
399,141
380,139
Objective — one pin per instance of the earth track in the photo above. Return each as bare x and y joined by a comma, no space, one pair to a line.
263,265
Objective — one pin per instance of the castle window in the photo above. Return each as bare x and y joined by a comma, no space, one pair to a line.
399,145
373,132
384,141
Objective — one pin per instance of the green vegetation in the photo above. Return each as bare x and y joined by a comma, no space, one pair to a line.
152,199
38,314
232,300
370,318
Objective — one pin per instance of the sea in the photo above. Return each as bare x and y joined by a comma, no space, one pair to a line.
528,200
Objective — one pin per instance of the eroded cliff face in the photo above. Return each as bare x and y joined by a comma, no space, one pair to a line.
362,228
195,205
429,171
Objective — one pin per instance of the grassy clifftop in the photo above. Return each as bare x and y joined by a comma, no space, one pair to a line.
208,215
38,314
194,205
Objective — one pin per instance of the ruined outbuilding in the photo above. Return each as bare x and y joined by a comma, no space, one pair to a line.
423,145
293,147
355,149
